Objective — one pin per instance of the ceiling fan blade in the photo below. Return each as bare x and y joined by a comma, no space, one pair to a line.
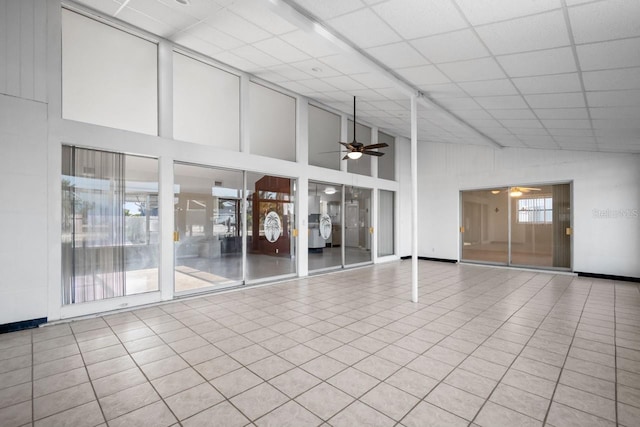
373,153
334,151
346,144
346,157
530,189
372,146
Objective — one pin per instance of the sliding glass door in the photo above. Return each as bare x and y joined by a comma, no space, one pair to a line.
325,226
357,225
523,226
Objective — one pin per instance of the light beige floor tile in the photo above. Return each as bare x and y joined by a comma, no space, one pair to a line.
153,354
163,367
299,354
15,363
222,414
493,415
564,416
390,401
295,382
412,382
377,367
431,367
117,382
588,383
259,400
397,355
60,381
270,367
110,367
104,353
521,401
586,402
250,354
16,394
236,382
62,400
359,414
157,415
193,400
427,415
454,400
536,368
347,354
323,367
88,414
290,414
528,382
628,415
324,400
201,354
470,382
16,415
128,400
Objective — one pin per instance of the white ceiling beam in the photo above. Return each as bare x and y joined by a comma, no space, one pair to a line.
300,18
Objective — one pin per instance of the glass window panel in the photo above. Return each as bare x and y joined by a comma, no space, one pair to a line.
109,77
272,123
206,104
361,166
270,222
324,134
325,225
387,163
207,215
485,223
110,225
357,238
386,223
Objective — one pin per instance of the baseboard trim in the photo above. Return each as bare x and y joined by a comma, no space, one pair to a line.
424,258
24,324
609,277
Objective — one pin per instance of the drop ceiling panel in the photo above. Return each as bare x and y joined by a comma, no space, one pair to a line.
605,20
627,78
578,133
281,50
258,13
615,113
501,102
489,87
364,28
309,43
474,70
481,12
567,124
455,46
316,68
170,16
521,124
199,9
524,113
425,75
562,113
627,98
419,18
212,35
328,9
549,84
398,55
346,64
232,24
551,61
560,100
536,32
146,22
258,57
613,54
344,83
457,104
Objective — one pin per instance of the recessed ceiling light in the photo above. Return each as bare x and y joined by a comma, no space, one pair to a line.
316,69
184,2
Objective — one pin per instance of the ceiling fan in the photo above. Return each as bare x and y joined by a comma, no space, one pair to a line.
357,149
517,191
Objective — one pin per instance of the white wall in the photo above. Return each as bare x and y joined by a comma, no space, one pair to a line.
601,181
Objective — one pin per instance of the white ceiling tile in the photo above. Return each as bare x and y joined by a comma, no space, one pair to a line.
425,75
392,93
346,64
567,124
474,115
318,85
627,98
489,88
281,50
521,124
197,45
484,123
613,54
537,32
258,12
296,87
562,113
344,83
578,133
556,83
146,22
627,78
529,133
373,80
419,18
328,9
107,7
258,57
232,24
172,17
444,90
539,141
235,61
213,36
483,12
199,9
551,61
456,104
617,124
364,28
398,55
615,113
605,20
501,102
311,43
289,72
316,68
525,113
473,70
575,140
455,46
560,100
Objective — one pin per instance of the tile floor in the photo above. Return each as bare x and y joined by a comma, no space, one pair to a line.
484,347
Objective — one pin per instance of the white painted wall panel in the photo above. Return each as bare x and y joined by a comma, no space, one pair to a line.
24,209
601,181
272,123
23,48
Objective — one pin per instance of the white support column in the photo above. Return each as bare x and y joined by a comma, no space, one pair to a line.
166,228
375,203
344,123
302,194
245,138
165,89
374,159
414,198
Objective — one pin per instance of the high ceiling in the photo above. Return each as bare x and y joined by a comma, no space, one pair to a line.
549,74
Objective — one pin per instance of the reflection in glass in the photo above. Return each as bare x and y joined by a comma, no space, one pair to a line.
386,210
109,225
270,241
485,226
208,250
357,239
325,226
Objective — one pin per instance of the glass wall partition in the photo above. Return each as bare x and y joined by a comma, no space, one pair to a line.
357,225
109,225
524,226
325,226
386,222
270,222
208,227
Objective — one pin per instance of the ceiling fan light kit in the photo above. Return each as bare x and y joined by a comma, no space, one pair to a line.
357,149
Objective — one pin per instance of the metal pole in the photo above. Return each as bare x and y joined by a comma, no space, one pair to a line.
414,198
